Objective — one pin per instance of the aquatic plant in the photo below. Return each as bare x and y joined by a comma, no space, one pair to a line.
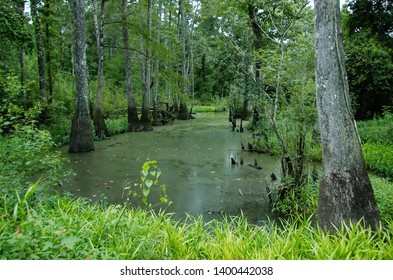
149,177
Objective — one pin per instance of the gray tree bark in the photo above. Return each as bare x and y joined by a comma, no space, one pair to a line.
146,120
157,68
99,121
81,139
48,12
40,51
183,111
132,111
345,192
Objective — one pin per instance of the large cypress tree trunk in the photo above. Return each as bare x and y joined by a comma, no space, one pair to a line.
81,139
132,111
345,192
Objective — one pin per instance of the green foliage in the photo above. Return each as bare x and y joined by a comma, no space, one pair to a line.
117,126
114,102
384,196
371,15
205,108
14,28
13,112
369,47
214,105
298,201
25,151
369,65
379,158
378,144
378,130
149,178
74,229
21,208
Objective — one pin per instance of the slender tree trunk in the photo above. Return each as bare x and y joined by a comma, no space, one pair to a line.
146,114
132,111
99,121
142,60
257,44
81,139
183,111
40,56
247,86
21,54
157,68
345,192
22,72
48,49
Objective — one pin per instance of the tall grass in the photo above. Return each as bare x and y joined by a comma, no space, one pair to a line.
378,130
379,158
74,229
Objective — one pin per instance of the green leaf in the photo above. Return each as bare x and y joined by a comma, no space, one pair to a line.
70,241
149,183
47,245
146,192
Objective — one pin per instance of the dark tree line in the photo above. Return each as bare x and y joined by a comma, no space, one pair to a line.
369,49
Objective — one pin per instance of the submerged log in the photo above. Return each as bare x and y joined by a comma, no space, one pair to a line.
255,165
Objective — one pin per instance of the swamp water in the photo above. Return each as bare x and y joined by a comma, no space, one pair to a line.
194,158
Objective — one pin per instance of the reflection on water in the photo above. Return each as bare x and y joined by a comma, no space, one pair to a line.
194,157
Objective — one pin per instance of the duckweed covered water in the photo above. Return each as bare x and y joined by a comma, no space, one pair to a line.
194,157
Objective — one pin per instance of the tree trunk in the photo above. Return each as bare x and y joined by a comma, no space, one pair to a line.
81,139
48,49
157,69
345,192
146,114
247,86
99,121
183,47
40,57
183,111
132,111
257,43
21,55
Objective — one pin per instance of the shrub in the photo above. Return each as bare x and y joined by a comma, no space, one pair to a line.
298,201
379,158
26,152
117,126
383,191
378,130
